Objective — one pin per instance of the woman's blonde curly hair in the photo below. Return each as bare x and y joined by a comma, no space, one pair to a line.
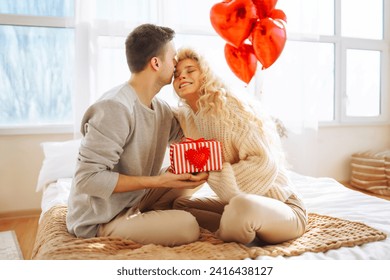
215,95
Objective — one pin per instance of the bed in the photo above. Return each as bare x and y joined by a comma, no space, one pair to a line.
344,224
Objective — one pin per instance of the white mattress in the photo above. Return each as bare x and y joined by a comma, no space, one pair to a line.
323,196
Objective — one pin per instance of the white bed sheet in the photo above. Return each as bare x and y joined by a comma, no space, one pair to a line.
323,196
328,197
56,193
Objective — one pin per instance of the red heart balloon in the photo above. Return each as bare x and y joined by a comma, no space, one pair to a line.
268,39
233,20
278,14
242,61
264,7
198,157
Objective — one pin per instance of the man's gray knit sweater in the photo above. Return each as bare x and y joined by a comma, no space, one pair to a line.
121,135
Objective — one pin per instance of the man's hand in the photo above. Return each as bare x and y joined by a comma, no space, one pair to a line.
165,180
182,181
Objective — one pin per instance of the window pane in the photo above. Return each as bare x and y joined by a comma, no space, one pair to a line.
363,83
54,8
362,18
300,85
128,10
111,64
309,16
188,15
36,75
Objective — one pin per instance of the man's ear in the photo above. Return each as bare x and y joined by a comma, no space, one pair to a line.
155,62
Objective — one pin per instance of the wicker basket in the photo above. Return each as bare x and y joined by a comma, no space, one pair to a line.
371,172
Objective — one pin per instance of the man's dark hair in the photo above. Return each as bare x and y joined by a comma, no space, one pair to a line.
144,42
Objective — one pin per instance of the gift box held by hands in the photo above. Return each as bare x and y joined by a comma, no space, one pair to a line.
191,156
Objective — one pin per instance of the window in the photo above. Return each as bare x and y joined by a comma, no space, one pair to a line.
336,57
58,56
363,98
192,28
36,62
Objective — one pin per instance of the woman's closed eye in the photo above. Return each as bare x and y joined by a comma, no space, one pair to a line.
177,74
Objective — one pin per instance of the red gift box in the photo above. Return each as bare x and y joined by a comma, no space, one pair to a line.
191,156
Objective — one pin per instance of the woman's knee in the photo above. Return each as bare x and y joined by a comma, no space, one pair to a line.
242,204
245,215
236,220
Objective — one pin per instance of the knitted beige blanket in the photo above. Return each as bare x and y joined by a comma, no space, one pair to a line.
324,233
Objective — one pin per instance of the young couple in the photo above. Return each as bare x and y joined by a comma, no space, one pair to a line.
119,188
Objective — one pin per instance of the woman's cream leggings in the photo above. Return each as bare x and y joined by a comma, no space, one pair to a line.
247,216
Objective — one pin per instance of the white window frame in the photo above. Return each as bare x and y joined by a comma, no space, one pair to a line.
36,21
342,44
341,115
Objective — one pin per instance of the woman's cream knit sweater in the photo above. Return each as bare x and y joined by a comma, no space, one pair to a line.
250,163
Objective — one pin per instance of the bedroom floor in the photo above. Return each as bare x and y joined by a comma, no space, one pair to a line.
25,227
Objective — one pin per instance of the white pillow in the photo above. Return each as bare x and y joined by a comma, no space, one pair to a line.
59,161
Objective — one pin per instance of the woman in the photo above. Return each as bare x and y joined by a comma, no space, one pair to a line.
254,196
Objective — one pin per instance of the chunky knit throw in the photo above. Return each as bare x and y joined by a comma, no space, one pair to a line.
323,233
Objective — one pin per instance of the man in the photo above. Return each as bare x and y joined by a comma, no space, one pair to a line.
118,188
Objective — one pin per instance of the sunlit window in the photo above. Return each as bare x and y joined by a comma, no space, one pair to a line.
36,69
362,19
309,16
53,8
303,75
58,56
127,10
36,64
335,59
363,83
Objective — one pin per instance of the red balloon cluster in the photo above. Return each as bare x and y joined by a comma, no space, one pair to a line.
254,31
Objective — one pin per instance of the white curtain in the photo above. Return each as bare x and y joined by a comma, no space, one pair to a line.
83,85
100,32
101,29
291,88
286,89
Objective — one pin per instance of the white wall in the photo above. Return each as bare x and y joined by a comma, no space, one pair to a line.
326,154
20,161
